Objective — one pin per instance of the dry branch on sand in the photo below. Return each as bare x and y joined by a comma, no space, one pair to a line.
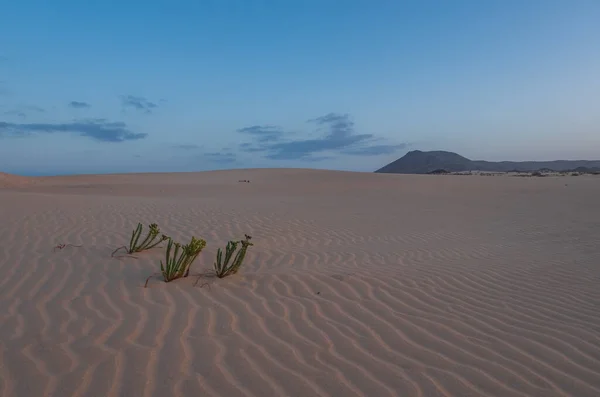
62,246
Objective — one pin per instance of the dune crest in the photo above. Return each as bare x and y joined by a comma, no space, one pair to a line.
357,285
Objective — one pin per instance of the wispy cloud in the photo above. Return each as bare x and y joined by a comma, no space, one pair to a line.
139,103
375,150
186,146
17,113
252,148
221,157
79,105
97,129
263,133
338,136
33,108
24,110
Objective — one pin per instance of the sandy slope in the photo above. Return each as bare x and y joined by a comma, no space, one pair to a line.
11,181
359,284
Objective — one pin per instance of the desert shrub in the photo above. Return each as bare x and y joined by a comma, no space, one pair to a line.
150,241
178,258
439,171
222,266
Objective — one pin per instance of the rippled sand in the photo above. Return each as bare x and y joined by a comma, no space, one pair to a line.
358,285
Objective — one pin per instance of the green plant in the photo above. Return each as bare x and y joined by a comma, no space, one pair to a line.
146,244
222,266
179,259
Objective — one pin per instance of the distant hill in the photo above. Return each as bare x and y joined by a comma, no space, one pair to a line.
418,162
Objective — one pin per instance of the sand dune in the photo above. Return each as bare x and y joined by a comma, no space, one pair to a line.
8,180
358,285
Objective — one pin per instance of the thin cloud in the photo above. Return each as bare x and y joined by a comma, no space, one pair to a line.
263,133
32,108
79,105
97,129
17,113
139,103
301,149
338,136
250,148
220,157
184,146
24,110
339,125
375,150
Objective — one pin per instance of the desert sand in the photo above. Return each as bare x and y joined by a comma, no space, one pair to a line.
358,284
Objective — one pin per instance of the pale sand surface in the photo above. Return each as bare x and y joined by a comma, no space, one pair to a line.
358,285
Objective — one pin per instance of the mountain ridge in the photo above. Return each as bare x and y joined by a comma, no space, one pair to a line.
423,162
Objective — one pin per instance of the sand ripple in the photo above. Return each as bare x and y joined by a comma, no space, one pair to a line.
358,285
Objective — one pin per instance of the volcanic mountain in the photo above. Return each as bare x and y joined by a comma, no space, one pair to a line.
419,162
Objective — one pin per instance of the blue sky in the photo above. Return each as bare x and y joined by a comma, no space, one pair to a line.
132,86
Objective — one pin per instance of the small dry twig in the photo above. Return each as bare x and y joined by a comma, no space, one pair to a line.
61,246
203,284
199,276
149,277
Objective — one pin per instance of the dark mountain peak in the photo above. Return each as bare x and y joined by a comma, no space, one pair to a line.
434,154
413,153
420,162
